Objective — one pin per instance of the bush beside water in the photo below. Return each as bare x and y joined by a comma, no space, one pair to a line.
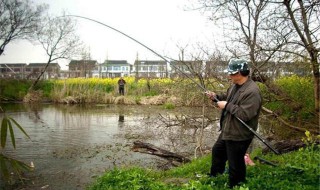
299,101
13,90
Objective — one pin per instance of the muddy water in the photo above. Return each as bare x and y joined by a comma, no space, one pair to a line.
71,145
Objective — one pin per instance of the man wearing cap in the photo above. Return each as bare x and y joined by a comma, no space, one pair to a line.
242,100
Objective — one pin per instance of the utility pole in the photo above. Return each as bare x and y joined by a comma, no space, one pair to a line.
137,67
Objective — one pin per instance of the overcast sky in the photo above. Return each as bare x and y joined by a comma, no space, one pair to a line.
161,25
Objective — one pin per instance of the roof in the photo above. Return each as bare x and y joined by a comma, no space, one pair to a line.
12,64
186,62
147,62
43,65
115,62
75,62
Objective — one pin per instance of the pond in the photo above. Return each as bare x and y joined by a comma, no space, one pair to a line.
73,144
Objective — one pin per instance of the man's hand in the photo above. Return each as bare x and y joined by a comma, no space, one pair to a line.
222,104
210,95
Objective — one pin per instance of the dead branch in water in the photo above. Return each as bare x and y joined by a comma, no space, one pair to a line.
186,121
190,122
148,148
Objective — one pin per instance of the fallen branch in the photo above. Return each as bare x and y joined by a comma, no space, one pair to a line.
148,148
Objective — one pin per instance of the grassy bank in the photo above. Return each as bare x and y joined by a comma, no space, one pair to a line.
95,90
294,171
284,98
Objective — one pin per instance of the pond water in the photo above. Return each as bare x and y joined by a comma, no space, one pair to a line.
71,145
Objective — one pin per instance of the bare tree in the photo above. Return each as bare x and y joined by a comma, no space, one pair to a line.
196,69
268,31
18,20
245,29
86,58
58,38
302,17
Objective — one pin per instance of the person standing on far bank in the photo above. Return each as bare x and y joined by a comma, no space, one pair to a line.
243,100
121,83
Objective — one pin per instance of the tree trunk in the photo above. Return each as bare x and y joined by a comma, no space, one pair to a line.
309,45
316,75
37,80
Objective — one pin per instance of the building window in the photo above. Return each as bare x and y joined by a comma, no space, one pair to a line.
145,68
154,68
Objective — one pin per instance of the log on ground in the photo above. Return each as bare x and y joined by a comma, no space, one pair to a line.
148,148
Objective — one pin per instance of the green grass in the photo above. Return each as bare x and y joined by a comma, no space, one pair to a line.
169,106
13,89
286,176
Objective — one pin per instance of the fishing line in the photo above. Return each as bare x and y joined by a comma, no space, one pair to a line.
159,55
199,85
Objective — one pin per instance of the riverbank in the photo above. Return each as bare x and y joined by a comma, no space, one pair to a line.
284,97
294,170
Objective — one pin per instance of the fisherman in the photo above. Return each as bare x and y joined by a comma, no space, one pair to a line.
121,83
242,100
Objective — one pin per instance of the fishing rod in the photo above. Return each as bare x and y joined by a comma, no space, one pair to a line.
264,161
258,136
253,131
159,55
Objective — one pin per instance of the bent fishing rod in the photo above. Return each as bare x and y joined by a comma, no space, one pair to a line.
159,55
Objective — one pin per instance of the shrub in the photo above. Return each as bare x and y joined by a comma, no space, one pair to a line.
10,166
299,101
169,106
14,89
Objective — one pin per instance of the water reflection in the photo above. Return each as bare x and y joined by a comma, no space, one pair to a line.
121,121
70,143
121,118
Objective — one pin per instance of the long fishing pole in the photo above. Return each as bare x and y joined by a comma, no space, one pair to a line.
159,55
199,85
258,136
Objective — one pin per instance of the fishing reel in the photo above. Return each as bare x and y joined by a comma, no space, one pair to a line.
213,98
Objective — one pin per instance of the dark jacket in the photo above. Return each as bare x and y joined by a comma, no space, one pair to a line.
245,104
121,82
